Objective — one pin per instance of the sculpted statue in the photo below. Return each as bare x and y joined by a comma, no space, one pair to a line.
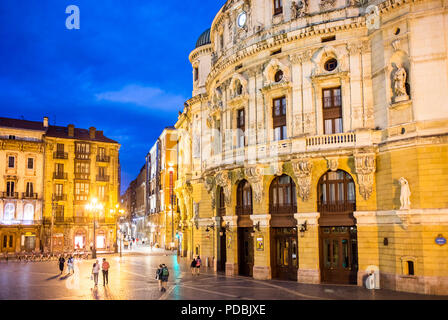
299,8
400,77
405,197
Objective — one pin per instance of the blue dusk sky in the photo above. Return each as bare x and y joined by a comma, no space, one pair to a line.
125,71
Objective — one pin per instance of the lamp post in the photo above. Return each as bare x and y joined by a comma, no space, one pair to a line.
94,206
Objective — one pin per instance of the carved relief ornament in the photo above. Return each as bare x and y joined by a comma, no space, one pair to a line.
365,166
222,180
255,177
210,187
302,170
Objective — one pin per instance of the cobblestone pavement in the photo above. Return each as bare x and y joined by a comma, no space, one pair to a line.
132,277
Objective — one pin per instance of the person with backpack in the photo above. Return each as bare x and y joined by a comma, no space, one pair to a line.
198,264
165,275
193,266
159,276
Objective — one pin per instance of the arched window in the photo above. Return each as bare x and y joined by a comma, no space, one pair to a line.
282,196
28,213
244,198
336,193
221,203
9,213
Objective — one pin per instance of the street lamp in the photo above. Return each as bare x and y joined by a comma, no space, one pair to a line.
94,206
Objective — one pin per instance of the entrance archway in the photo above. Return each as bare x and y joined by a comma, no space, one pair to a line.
338,232
284,241
244,210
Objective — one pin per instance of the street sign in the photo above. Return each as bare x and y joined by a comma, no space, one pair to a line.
440,240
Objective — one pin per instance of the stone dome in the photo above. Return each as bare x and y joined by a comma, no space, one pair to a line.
204,39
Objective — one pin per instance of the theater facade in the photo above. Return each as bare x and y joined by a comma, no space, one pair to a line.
314,147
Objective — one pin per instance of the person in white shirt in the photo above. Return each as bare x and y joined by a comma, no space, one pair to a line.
95,272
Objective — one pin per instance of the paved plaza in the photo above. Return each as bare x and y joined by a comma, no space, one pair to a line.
132,277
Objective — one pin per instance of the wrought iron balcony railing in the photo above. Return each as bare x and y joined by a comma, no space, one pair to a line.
60,155
27,195
10,195
100,158
103,178
60,176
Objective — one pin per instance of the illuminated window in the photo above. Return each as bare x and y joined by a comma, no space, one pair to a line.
10,211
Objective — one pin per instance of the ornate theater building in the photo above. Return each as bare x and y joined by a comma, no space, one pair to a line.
315,148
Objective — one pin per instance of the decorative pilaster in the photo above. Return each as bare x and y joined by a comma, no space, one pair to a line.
262,250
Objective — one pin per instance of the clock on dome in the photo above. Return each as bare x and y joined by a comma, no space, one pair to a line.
242,19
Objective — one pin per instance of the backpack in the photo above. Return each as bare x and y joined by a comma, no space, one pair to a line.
165,272
198,262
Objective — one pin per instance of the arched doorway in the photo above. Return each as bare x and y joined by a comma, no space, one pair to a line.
338,232
284,241
222,251
80,240
245,229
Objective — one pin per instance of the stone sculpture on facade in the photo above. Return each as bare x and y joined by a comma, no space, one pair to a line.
299,8
405,197
400,78
365,165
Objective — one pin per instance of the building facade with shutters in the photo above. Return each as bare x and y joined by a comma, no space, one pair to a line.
21,184
162,202
80,165
314,148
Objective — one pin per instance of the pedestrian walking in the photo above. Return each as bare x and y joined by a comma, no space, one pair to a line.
165,275
105,268
130,245
159,276
198,264
61,263
193,266
71,264
95,272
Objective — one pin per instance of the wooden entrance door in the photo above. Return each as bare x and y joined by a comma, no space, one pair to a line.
222,251
285,257
30,243
245,252
339,255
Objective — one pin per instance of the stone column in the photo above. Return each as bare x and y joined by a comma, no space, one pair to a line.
262,255
232,245
309,268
